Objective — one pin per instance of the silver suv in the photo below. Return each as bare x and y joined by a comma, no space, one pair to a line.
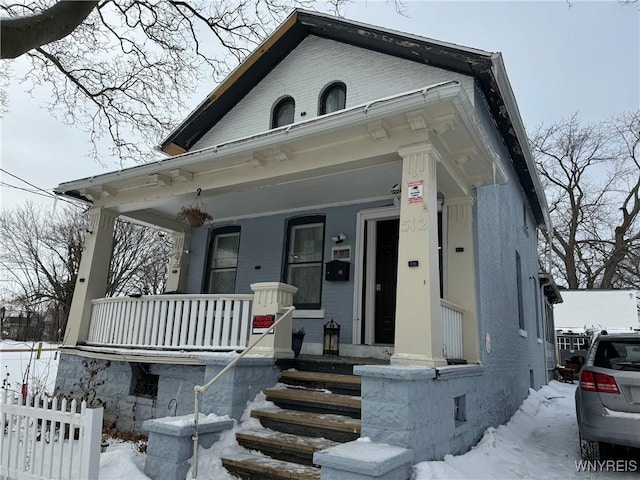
608,396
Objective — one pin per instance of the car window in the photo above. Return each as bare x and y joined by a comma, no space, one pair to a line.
621,354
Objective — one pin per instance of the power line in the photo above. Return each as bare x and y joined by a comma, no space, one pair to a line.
28,183
37,191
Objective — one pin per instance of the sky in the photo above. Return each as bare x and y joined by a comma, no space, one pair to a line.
561,58
539,442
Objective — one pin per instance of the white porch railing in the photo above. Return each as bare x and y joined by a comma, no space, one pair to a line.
172,321
45,441
451,329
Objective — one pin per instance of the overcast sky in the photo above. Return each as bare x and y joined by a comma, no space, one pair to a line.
561,58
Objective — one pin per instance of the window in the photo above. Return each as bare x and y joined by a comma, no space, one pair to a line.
333,98
519,287
303,260
460,409
143,382
223,260
283,112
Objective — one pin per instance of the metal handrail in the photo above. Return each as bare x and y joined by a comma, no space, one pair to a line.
198,389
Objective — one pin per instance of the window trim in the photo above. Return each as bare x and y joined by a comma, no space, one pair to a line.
326,91
214,232
296,222
276,108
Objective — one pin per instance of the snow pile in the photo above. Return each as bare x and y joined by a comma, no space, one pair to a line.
540,441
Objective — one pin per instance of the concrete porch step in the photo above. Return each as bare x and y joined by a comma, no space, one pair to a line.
339,428
337,383
283,446
315,401
318,363
255,467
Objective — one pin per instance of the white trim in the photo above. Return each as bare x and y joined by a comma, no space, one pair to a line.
308,313
362,217
304,209
522,333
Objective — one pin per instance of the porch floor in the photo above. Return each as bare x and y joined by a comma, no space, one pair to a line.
332,364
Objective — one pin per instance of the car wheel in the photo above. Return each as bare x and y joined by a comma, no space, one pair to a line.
589,450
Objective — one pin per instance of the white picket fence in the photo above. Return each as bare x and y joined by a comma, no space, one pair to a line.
171,321
42,440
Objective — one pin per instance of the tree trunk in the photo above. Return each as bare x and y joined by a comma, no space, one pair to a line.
20,34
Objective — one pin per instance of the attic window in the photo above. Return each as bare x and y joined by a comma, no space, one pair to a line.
283,112
333,98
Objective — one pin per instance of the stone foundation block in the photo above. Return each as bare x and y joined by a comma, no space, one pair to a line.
364,460
170,444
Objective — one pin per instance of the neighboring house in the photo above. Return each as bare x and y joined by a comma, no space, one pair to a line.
585,311
402,158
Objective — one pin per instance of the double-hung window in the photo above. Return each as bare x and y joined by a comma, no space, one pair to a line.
223,260
303,260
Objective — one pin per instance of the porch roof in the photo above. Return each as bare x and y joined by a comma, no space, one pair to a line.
319,161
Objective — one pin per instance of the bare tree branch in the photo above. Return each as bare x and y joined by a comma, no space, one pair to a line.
591,175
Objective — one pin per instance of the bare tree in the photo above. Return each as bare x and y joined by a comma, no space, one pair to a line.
123,68
591,175
41,253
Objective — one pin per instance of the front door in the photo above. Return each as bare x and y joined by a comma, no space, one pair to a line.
386,275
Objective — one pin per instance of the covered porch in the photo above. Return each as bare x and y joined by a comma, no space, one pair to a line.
415,158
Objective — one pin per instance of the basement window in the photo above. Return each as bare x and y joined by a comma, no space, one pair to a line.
460,410
143,382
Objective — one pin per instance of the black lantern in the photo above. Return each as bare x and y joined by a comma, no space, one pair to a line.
331,342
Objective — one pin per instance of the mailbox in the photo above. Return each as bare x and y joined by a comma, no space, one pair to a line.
337,271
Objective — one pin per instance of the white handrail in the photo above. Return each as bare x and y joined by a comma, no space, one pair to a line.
198,389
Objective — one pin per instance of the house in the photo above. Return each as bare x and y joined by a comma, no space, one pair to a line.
585,311
375,178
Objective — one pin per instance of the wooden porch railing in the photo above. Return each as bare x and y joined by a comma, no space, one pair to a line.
172,321
451,329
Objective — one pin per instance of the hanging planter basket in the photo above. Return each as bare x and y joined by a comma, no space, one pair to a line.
195,215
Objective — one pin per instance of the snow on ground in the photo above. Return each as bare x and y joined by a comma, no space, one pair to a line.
18,358
540,441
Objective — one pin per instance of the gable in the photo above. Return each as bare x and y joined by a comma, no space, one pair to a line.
309,69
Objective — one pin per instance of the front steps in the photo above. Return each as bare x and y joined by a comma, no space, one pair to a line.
309,416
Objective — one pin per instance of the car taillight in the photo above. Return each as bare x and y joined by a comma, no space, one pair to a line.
598,382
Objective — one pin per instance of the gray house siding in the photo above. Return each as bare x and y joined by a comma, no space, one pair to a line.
513,359
260,259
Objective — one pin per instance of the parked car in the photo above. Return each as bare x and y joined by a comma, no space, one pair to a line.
608,395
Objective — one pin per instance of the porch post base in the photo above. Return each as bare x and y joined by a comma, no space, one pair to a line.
415,359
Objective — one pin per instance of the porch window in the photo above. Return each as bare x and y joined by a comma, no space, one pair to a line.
223,260
303,260
333,98
283,112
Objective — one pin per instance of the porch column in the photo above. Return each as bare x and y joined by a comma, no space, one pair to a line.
418,336
177,263
270,299
92,273
462,287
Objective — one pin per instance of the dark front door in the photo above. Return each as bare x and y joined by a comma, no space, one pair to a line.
386,279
